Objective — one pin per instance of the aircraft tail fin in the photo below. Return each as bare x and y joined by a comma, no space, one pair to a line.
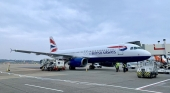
53,46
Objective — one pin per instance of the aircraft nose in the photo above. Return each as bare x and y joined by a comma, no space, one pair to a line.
147,53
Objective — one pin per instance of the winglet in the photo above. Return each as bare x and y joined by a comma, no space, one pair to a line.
53,46
11,50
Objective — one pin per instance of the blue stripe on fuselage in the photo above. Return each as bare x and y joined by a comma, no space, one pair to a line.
119,59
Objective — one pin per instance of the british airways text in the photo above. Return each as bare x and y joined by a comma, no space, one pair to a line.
103,52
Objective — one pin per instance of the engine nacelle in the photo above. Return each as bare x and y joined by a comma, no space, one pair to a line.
107,64
78,62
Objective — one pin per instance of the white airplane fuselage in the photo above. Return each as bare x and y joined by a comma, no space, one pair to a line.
110,53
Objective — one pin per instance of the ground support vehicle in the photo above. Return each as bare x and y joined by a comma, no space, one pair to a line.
97,65
52,64
164,71
130,66
167,65
147,69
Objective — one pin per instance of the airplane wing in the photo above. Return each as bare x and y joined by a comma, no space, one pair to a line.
51,54
53,48
43,53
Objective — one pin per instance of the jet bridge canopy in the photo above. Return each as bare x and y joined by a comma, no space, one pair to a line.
135,42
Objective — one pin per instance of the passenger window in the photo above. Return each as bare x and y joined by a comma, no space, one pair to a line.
131,48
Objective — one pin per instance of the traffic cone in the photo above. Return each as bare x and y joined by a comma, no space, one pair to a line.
8,68
86,69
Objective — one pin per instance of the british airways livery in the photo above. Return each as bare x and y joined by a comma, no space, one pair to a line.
105,55
53,46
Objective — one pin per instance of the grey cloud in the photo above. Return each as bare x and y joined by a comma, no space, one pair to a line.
34,16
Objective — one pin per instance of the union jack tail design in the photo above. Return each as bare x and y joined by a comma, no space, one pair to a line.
53,46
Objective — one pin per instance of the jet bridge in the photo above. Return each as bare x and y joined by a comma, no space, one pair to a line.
158,49
155,49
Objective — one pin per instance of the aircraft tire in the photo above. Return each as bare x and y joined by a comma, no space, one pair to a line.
151,76
50,69
139,77
155,76
91,67
71,68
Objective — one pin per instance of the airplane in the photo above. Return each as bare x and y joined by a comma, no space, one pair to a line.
106,55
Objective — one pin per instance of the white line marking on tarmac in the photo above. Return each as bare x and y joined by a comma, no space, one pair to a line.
151,91
44,87
122,87
152,84
85,83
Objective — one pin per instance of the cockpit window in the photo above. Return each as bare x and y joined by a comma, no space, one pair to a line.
139,48
135,47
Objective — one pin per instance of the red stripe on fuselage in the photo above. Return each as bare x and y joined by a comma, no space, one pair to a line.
116,47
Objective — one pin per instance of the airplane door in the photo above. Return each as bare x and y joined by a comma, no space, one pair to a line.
120,52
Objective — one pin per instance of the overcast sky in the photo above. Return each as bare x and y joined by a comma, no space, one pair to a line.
27,24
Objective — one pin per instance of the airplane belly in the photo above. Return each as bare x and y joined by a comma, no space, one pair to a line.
119,59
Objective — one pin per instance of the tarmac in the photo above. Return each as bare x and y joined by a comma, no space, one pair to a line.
28,78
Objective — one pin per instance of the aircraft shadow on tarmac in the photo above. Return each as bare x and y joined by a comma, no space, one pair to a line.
102,69
110,69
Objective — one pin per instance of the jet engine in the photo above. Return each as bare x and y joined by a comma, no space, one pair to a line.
78,62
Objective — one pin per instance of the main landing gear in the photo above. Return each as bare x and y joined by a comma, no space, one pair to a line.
72,68
92,66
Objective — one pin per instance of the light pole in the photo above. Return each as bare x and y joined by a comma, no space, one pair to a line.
158,42
165,50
